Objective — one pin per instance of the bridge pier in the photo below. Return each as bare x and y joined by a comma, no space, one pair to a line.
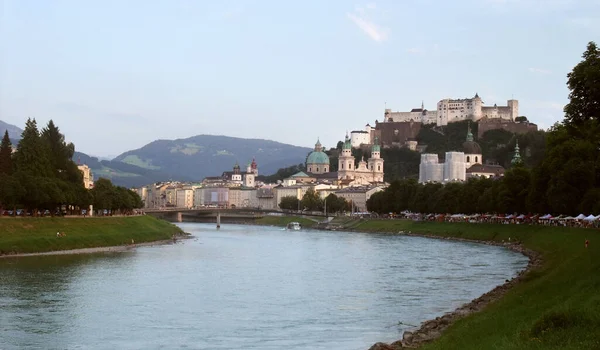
179,217
218,219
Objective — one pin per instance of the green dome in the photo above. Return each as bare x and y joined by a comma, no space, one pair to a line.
316,157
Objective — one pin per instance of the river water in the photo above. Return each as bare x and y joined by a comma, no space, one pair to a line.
244,287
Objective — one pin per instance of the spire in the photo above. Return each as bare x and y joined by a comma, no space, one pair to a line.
376,147
517,156
318,146
422,104
469,134
476,95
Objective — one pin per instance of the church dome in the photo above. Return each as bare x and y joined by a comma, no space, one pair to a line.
471,147
317,157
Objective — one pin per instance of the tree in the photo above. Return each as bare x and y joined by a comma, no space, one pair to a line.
60,154
336,204
11,191
584,84
5,155
32,155
289,203
103,194
311,200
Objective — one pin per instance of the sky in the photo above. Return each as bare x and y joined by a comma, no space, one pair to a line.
115,75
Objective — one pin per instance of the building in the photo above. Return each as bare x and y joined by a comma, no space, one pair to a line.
317,161
472,150
358,196
455,110
361,137
184,197
458,166
88,178
242,197
488,170
370,171
237,177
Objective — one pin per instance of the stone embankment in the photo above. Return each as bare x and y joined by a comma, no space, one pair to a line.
432,329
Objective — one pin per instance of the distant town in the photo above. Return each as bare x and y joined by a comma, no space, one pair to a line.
354,181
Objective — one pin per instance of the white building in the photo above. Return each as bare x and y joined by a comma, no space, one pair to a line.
430,170
453,169
361,137
185,197
455,110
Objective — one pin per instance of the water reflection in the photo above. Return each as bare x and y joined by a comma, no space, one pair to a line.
244,287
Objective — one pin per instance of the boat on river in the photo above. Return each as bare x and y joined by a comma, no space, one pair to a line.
295,226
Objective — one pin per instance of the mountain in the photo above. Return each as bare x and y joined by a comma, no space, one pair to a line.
14,132
209,155
123,174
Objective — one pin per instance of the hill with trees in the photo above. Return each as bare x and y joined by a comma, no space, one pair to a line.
560,173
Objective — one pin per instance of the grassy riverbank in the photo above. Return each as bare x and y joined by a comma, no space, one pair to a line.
557,306
34,235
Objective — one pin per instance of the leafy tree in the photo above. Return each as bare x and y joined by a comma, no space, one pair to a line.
6,155
103,194
335,204
584,84
311,200
11,191
289,203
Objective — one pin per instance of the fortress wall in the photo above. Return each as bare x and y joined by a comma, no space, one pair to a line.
397,132
517,128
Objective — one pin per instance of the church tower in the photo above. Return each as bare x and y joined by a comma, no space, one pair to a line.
346,161
376,162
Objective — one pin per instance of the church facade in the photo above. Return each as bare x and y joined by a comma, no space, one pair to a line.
365,172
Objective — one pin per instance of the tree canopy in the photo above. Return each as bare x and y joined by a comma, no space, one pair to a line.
41,175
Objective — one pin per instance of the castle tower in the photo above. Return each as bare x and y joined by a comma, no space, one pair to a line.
346,161
249,168
514,109
254,167
477,104
376,162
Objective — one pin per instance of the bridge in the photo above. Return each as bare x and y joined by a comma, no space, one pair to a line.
232,215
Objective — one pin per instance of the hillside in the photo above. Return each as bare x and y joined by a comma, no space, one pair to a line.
123,174
14,132
209,155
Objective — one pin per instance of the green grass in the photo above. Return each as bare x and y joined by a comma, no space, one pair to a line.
557,306
33,235
284,220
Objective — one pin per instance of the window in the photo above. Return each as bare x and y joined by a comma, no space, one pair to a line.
317,170
379,168
476,159
468,159
342,165
310,170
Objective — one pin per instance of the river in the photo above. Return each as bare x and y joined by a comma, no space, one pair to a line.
244,287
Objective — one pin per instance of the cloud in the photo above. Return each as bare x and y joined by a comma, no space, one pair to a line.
360,18
539,71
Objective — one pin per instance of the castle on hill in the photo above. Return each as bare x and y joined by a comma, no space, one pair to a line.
456,110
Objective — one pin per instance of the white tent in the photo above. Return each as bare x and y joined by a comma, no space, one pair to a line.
580,217
590,218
